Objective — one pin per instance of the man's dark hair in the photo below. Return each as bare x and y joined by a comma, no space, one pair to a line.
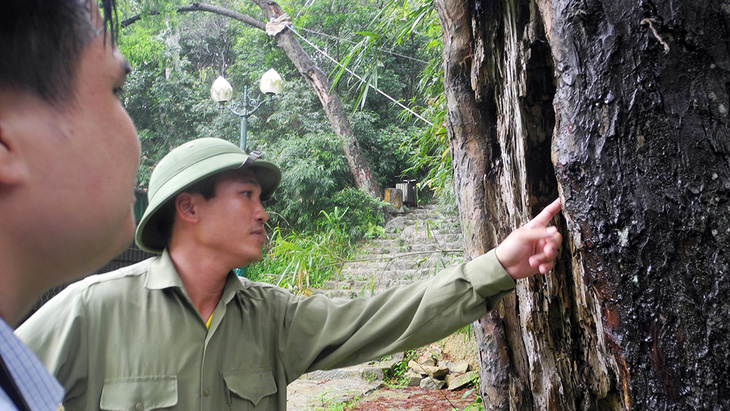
41,42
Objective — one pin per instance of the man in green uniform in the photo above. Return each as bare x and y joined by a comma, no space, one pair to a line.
181,331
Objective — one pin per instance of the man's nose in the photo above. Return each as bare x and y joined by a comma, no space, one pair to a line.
260,213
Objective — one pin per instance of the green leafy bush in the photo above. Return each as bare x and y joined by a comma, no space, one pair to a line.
300,262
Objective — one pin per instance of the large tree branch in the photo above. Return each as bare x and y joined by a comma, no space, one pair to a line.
195,6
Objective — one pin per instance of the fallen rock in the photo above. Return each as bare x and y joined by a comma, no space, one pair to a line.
429,383
427,359
459,366
432,371
413,379
462,380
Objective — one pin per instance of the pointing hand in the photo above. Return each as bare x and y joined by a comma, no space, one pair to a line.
533,247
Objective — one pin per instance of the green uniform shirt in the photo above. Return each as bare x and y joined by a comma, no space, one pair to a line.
132,340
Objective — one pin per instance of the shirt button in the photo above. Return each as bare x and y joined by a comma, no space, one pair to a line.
206,392
138,406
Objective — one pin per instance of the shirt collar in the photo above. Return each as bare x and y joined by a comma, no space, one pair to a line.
232,287
163,274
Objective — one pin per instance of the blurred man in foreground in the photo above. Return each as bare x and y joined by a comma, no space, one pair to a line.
68,160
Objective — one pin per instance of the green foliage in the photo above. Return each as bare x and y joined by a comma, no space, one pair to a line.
330,404
430,157
477,404
364,219
403,39
141,45
313,170
300,261
306,261
316,175
387,148
431,152
467,331
398,378
167,93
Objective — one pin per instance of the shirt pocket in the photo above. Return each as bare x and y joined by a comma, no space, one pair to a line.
139,393
250,387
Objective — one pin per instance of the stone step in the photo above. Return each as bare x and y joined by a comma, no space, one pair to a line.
350,290
360,289
407,251
410,235
416,246
414,260
397,226
402,274
370,274
394,243
375,275
415,252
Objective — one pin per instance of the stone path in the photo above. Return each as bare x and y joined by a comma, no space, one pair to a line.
416,246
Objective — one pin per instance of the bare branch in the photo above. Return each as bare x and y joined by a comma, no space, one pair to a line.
195,6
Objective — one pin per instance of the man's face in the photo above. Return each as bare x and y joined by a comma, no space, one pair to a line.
232,222
83,159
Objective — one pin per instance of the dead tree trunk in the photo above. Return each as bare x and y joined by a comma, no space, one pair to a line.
317,79
313,75
622,108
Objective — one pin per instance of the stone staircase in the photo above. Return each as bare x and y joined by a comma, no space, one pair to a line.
416,245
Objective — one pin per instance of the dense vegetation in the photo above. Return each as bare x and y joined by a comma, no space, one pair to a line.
317,214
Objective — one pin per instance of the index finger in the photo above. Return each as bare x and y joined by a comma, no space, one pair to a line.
546,214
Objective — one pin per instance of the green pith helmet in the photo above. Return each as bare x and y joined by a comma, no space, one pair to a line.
188,164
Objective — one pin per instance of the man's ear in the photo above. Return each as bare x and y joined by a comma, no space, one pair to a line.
13,166
186,207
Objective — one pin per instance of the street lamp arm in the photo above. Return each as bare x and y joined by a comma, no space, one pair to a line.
258,104
249,107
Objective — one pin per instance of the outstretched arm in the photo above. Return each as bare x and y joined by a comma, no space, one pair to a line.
533,247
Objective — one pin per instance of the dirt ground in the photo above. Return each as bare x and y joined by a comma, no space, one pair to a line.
416,399
455,347
320,392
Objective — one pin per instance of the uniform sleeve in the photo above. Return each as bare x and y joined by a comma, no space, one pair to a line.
323,333
57,334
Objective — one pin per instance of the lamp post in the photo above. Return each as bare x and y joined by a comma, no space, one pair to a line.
221,91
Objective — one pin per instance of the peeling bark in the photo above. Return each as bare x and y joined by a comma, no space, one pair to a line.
622,107
472,157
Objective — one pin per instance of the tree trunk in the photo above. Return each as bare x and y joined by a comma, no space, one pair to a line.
313,75
634,96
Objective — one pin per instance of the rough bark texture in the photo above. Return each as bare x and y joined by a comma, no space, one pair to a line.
650,217
472,131
634,96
